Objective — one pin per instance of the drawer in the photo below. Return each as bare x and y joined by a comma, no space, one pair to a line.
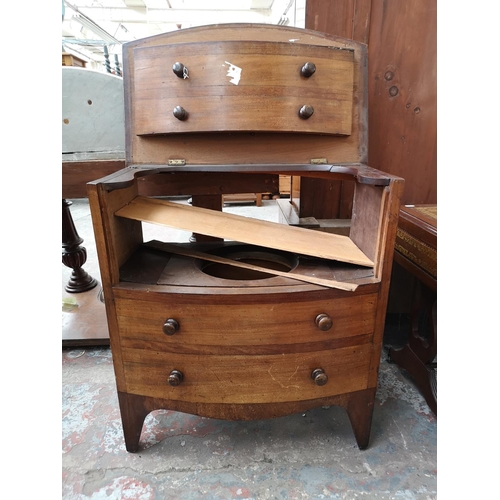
205,321
246,379
243,86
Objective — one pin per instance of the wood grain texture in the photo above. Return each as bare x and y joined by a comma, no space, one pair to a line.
366,219
320,198
359,408
244,229
389,222
76,174
349,19
241,321
342,171
346,18
402,70
403,95
116,239
210,202
246,379
416,242
109,267
153,264
265,95
327,283
251,147
421,222
134,409
244,351
206,183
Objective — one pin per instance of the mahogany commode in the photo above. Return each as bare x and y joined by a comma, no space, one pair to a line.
190,332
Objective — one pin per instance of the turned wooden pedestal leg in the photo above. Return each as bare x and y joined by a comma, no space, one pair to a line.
74,255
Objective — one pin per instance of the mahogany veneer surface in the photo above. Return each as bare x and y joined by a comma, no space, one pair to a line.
265,93
221,345
416,242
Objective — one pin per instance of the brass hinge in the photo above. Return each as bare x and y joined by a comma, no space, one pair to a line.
176,163
318,161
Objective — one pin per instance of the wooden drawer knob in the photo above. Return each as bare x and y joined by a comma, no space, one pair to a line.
308,69
306,111
319,376
180,113
175,378
170,327
180,70
323,322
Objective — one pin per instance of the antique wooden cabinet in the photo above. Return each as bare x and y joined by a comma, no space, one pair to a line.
257,319
416,253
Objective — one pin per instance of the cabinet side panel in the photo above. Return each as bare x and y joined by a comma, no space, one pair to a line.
124,235
392,201
366,219
111,234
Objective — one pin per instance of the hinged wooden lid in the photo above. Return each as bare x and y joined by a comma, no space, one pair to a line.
245,94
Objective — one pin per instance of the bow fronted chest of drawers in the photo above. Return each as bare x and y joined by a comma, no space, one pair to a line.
253,319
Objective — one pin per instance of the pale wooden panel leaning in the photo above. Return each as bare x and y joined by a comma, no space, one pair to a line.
244,229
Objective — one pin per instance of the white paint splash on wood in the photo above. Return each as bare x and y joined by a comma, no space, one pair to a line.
234,72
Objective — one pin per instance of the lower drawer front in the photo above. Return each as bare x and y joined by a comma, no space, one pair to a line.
247,379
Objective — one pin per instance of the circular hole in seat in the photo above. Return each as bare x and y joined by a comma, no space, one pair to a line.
275,260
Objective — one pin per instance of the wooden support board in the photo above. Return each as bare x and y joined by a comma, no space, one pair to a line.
189,252
245,230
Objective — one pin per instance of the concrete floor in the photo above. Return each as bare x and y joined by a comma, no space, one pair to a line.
304,456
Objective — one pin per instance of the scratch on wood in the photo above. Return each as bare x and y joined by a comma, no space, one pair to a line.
281,384
215,374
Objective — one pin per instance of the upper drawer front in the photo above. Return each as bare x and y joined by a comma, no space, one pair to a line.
240,323
242,86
